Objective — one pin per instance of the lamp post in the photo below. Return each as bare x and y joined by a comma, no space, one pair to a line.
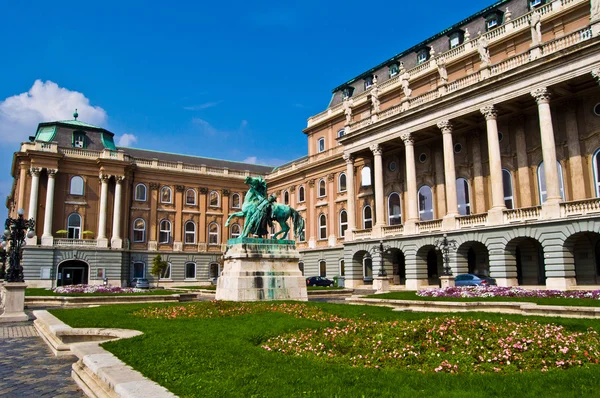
382,282
15,234
3,255
445,245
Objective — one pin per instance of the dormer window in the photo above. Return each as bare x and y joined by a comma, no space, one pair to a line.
493,20
368,82
536,3
348,91
422,56
394,70
456,39
78,139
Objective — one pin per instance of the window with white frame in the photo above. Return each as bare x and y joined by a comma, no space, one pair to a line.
492,21
235,201
166,274
190,232
365,176
368,82
190,197
164,234
343,223
213,199
347,92
542,181
166,195
422,56
394,209
462,196
425,201
322,269
394,70
190,270
286,198
74,226
213,234
140,193
235,231
139,230
367,267
79,139
322,227
342,182
456,39
596,170
535,3
367,217
139,269
341,133
301,194
322,188
321,145
509,201
76,186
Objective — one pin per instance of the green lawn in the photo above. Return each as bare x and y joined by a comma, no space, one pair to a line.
222,357
45,292
207,287
540,301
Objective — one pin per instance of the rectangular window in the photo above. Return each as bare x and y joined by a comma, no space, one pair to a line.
139,270
321,145
491,23
45,273
190,271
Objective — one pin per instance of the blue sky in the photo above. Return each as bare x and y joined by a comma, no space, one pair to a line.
234,80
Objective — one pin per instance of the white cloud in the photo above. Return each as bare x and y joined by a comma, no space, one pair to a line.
44,102
251,160
127,140
199,107
264,161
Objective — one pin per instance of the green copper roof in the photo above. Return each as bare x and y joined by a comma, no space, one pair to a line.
77,123
108,142
46,134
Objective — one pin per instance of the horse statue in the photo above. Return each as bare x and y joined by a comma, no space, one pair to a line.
260,211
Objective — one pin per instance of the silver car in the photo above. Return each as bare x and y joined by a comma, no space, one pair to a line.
140,283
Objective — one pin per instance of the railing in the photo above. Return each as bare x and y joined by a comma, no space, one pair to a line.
394,110
580,207
75,242
361,123
463,82
214,170
567,41
429,226
522,214
510,63
473,220
362,233
393,230
421,99
79,153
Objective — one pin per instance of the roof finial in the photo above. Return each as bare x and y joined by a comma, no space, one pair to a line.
75,114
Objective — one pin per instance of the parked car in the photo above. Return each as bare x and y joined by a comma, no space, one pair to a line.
318,281
140,283
473,280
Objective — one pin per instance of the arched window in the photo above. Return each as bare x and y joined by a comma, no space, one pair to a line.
235,201
596,166
213,234
190,270
322,268
342,268
509,201
303,237
365,176
190,197
301,194
342,182
214,270
140,193
164,235
235,231
167,272
343,223
321,145
76,186
139,230
166,195
367,268
214,199
286,198
74,226
190,232
542,181
322,227
425,203
341,133
462,193
367,217
322,190
394,209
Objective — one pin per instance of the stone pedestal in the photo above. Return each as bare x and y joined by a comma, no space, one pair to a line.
507,282
116,243
416,284
560,283
102,242
261,270
13,301
48,240
447,281
381,284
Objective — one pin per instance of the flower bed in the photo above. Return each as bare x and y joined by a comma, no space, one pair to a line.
73,289
498,291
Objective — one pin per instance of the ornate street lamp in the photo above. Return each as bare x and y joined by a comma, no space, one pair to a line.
3,255
380,249
15,234
445,245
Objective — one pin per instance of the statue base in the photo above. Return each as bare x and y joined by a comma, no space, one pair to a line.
13,301
261,270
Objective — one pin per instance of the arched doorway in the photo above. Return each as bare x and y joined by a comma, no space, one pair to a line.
528,255
72,272
396,258
472,257
584,247
430,258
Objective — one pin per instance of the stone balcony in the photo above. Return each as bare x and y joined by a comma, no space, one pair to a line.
80,243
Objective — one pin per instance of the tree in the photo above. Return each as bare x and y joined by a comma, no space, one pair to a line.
158,267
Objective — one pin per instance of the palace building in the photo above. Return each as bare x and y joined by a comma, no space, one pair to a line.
488,132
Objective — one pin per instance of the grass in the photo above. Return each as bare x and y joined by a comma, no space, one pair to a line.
45,292
214,287
541,301
222,357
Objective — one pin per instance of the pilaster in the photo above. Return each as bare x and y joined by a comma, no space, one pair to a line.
350,197
47,239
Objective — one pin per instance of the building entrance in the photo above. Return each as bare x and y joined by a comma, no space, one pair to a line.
72,272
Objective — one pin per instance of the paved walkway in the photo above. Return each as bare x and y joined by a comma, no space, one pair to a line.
29,369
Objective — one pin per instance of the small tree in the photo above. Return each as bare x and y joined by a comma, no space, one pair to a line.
158,267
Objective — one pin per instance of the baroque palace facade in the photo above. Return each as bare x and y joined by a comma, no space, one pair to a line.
488,132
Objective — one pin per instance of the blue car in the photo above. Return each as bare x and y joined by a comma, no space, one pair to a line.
473,280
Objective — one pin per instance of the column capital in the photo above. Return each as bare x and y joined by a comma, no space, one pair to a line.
596,74
104,178
35,171
445,126
179,188
330,177
153,185
311,182
490,112
225,192
203,190
51,172
119,179
292,189
348,158
376,149
408,139
541,95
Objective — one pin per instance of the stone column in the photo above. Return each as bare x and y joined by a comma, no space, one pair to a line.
411,184
551,207
524,185
440,181
478,188
22,180
116,242
449,174
574,147
47,239
312,217
379,200
495,214
102,241
350,197
33,199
